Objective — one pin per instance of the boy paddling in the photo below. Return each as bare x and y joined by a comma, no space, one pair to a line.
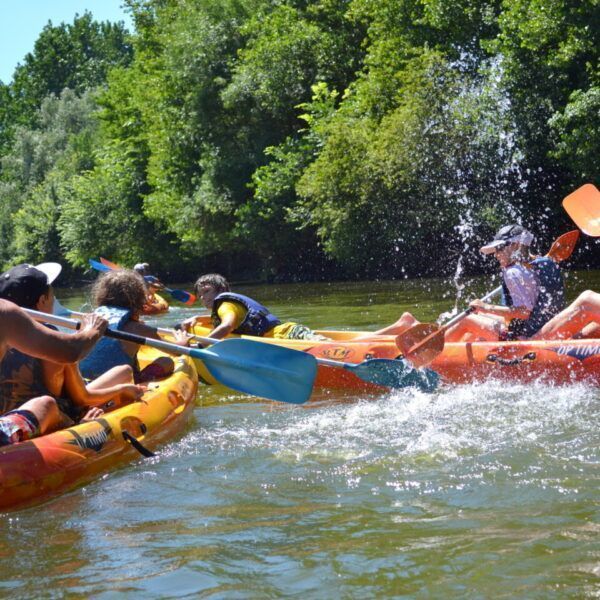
30,287
242,315
38,413
533,292
236,313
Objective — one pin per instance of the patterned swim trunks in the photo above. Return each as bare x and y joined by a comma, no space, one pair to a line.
18,426
301,332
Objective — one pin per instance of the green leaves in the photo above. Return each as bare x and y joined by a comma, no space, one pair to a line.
365,133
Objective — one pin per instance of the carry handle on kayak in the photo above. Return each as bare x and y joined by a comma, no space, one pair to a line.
275,373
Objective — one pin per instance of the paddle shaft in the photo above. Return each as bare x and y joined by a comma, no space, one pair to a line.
119,335
385,372
275,373
468,311
208,340
130,337
75,325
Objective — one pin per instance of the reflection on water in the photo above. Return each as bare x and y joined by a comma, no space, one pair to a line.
475,491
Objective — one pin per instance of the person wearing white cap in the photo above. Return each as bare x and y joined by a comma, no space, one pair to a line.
533,292
18,331
142,268
59,392
154,303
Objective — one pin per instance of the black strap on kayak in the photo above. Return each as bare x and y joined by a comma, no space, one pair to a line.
137,445
511,362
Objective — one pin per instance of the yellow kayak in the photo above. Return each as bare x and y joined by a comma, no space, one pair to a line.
36,470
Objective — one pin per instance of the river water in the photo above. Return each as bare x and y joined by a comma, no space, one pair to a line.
475,491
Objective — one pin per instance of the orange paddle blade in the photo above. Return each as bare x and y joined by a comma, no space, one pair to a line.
421,343
110,265
583,206
563,246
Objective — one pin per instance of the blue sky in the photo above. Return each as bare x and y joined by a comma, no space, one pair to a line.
21,22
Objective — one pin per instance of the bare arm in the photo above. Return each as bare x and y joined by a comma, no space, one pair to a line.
19,331
81,395
224,328
181,338
507,312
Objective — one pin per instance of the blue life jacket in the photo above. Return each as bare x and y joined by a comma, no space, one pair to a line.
108,352
550,300
258,319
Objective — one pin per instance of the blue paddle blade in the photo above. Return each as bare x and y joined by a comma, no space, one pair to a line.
270,371
180,295
98,265
60,310
395,374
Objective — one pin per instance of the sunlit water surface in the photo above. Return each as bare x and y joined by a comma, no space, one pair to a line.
476,491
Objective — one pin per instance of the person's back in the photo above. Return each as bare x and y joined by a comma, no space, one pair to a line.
119,296
23,377
109,352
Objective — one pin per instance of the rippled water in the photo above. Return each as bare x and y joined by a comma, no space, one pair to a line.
475,491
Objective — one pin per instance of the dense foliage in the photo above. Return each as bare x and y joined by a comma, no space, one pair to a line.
294,139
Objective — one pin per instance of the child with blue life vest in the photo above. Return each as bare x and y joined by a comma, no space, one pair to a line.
32,356
239,314
236,313
242,315
533,293
120,297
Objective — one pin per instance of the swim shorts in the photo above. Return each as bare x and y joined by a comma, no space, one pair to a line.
18,426
301,332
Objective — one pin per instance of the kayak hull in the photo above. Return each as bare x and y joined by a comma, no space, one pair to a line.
158,306
327,377
559,362
34,471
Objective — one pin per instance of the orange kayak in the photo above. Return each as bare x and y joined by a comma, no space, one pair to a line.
156,305
555,361
327,377
34,471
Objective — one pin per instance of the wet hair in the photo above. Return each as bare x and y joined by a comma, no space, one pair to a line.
213,279
123,288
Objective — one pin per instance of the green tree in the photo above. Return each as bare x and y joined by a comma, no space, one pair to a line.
382,193
550,53
77,56
39,161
